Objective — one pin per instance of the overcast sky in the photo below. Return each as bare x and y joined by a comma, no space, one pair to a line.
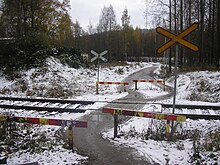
86,11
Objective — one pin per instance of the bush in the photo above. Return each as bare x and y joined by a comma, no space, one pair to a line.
57,91
119,71
70,56
32,52
3,124
212,141
23,54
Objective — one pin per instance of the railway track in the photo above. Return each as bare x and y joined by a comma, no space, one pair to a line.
50,105
76,106
194,112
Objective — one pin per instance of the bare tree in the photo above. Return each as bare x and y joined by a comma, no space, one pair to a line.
107,20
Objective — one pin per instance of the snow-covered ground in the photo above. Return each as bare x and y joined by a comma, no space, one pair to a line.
58,80
180,152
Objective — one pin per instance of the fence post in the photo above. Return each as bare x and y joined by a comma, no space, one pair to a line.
70,137
168,130
164,85
115,125
135,83
124,87
97,87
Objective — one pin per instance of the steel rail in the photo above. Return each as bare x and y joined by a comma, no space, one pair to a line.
213,107
49,109
63,101
76,110
191,106
196,117
42,100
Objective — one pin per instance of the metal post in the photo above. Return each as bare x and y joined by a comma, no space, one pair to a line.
124,87
97,85
115,125
135,85
175,80
164,87
165,69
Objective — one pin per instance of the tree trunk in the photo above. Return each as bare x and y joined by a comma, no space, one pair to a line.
189,22
210,48
218,34
190,12
181,29
19,22
213,32
201,58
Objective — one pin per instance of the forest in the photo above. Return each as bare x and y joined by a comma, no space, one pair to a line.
32,30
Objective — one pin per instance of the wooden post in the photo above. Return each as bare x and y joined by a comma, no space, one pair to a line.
70,137
115,125
168,130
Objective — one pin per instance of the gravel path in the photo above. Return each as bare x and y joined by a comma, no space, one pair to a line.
100,151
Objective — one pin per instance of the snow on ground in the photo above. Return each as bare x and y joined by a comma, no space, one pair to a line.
156,151
150,90
80,84
69,83
181,152
58,80
197,88
58,156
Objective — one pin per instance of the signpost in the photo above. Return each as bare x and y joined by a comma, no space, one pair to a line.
97,57
177,39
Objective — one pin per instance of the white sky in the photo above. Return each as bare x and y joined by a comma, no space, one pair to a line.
86,11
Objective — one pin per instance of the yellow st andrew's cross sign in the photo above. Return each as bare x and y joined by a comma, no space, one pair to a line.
177,38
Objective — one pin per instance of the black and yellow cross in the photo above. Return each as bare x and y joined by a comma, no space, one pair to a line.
177,38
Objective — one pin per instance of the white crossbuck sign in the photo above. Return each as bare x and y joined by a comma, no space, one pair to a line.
99,56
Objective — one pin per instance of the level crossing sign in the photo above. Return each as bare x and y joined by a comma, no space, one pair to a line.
99,56
174,39
177,38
